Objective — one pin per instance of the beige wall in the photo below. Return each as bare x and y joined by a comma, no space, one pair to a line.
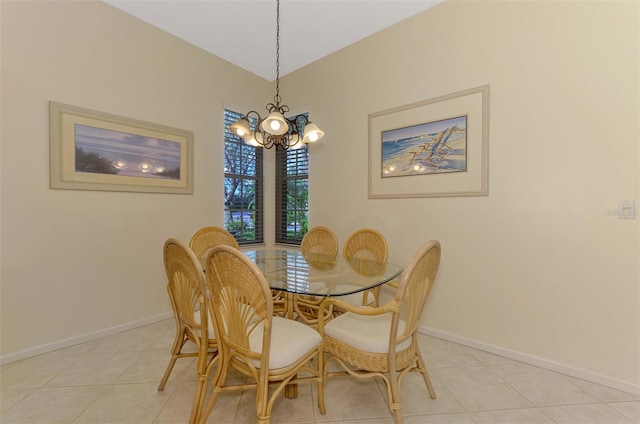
537,269
79,262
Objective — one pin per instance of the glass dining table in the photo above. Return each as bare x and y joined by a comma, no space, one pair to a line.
316,275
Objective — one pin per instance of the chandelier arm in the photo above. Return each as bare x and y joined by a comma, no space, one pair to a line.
269,140
276,107
293,140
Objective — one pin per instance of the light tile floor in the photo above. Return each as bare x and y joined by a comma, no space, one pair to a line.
114,380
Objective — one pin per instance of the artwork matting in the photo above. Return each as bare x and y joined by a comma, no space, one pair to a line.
92,150
473,104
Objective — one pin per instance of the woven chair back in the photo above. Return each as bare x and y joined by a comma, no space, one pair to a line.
206,238
240,298
185,279
416,283
366,243
320,240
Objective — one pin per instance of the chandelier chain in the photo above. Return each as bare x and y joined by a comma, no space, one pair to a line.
277,130
277,98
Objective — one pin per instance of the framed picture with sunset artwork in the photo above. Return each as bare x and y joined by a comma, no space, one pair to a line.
92,150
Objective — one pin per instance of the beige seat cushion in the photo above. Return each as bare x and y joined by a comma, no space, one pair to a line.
196,318
367,333
290,340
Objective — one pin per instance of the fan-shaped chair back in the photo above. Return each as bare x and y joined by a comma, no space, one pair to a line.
185,285
207,237
185,279
240,296
415,286
320,240
366,243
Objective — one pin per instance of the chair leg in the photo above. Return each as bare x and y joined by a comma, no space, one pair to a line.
422,367
178,343
167,372
203,374
397,416
394,401
203,393
375,293
263,411
197,399
321,371
218,381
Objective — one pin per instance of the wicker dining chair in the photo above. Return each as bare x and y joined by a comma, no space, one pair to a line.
206,238
319,246
382,342
185,282
319,240
367,244
271,350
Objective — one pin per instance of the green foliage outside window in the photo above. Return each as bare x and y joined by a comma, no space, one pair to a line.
292,195
242,186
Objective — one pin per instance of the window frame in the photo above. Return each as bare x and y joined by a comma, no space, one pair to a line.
283,179
256,178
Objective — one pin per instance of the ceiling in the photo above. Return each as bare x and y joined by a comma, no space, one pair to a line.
243,32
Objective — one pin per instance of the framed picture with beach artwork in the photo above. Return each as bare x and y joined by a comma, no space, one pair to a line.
433,148
92,150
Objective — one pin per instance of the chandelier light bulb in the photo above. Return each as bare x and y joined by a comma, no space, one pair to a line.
312,133
275,124
298,144
253,141
241,127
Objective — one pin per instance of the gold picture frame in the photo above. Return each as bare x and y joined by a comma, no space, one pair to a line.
92,150
440,144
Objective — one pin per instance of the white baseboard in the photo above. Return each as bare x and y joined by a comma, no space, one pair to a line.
604,380
61,344
625,386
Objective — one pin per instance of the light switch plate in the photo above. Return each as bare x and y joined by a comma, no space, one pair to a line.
626,209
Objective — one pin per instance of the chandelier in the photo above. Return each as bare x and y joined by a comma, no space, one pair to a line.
276,129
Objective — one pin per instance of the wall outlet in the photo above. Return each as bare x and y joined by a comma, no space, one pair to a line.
626,209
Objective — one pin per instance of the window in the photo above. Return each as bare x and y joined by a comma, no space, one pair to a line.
292,195
243,186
